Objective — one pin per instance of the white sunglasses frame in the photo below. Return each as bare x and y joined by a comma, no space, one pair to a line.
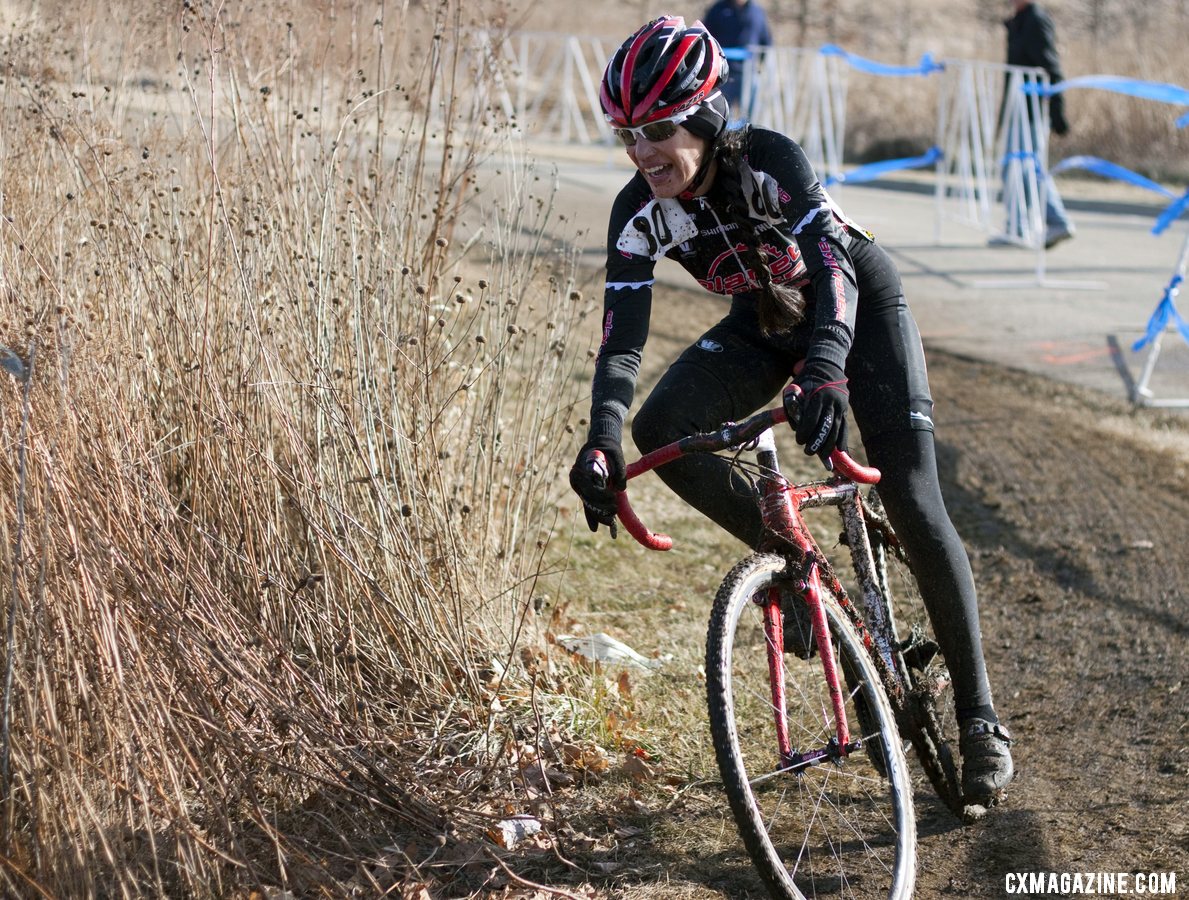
638,134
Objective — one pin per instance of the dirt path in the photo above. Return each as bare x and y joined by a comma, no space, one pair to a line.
1076,515
1077,519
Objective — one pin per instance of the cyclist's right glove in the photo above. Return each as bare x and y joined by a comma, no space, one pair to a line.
821,408
596,483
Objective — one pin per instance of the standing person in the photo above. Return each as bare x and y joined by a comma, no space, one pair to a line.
1032,41
742,211
737,25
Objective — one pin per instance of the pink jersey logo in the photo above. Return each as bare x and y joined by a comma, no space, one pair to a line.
836,279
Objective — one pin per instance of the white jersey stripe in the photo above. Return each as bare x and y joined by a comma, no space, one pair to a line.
809,217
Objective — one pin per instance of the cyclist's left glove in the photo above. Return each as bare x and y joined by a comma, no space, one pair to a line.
597,481
823,404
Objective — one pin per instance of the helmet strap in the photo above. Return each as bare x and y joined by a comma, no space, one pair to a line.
700,175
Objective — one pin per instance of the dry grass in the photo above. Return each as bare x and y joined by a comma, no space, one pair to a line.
276,443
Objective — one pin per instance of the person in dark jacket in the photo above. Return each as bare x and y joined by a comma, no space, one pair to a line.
812,297
737,25
1032,42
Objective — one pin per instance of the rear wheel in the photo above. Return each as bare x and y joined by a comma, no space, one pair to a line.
929,719
834,829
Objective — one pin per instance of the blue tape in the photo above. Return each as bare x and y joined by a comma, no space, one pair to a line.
872,171
926,66
1165,312
1024,156
1110,170
1175,210
1147,90
736,53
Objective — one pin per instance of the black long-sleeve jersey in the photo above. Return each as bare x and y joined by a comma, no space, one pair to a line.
804,233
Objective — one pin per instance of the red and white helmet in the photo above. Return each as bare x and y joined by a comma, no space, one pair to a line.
663,70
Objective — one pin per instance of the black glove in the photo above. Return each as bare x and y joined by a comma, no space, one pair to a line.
595,484
821,414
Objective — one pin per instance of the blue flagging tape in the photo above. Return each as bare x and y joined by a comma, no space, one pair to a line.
736,53
1022,154
872,171
1165,312
1112,170
926,66
1159,91
1175,210
1146,90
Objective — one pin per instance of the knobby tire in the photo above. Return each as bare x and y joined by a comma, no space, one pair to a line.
839,831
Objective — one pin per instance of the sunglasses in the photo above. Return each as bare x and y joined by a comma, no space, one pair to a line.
653,132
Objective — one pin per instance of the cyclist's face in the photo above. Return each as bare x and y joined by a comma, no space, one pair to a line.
670,165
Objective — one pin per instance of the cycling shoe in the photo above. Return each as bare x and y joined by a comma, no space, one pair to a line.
986,761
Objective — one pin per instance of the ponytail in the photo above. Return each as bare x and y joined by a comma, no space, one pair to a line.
780,306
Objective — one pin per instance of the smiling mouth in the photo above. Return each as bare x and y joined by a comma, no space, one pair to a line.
656,171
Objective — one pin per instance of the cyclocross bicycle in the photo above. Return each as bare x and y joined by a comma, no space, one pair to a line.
811,686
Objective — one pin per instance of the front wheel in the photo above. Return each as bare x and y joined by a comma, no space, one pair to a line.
839,828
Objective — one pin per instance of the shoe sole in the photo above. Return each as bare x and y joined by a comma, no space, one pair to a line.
972,811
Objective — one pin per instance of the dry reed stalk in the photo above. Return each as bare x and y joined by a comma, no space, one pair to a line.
289,451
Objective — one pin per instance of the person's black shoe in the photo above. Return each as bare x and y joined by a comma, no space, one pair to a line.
1055,234
986,761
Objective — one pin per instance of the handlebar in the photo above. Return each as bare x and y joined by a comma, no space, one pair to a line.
728,437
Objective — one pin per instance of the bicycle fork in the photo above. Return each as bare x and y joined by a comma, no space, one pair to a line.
840,743
780,517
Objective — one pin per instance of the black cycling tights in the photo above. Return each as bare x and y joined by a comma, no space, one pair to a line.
911,493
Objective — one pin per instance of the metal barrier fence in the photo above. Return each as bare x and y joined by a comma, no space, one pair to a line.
547,85
801,93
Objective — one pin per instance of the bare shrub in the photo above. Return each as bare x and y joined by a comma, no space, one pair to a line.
287,368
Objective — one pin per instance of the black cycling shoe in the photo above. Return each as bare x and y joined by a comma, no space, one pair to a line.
986,761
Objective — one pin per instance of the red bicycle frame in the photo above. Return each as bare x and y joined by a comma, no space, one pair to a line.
781,504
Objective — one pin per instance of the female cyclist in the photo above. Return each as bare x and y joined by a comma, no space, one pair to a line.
742,211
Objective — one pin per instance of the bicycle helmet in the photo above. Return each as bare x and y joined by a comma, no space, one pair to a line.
664,70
